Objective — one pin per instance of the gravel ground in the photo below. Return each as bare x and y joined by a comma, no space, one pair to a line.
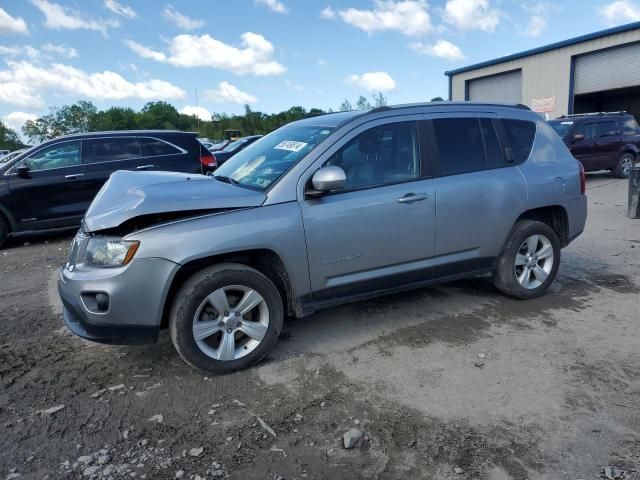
449,382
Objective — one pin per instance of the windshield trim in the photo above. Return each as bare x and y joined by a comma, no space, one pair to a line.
285,172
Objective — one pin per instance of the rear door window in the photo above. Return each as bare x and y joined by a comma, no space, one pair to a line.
607,129
100,150
460,145
588,130
152,147
520,136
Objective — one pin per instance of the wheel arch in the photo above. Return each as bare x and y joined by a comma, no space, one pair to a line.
6,216
553,215
265,261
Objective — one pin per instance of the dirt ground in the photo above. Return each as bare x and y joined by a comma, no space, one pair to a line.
449,382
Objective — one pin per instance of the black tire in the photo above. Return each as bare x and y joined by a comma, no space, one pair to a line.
626,161
4,230
192,294
505,278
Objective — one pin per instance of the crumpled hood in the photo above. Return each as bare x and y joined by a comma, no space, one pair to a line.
128,195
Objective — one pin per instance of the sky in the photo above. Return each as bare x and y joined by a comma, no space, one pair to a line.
270,54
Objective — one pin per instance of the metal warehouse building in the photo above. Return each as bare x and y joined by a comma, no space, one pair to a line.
592,73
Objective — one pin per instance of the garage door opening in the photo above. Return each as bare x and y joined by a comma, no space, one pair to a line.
622,99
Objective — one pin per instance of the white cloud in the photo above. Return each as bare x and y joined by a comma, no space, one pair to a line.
410,17
538,13
9,24
620,11
21,95
440,49
181,20
60,50
50,50
328,13
146,52
373,81
16,120
23,83
472,15
273,5
200,112
293,86
229,93
119,9
58,17
322,62
20,51
254,56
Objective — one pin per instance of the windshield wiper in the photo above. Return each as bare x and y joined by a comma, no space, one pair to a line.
229,180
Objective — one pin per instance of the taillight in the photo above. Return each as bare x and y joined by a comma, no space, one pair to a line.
583,179
208,160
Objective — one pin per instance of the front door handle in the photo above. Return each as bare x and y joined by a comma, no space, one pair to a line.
413,197
144,167
73,176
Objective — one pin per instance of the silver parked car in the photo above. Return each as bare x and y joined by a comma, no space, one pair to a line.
322,211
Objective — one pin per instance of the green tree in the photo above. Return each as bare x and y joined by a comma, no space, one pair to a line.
115,118
363,103
346,106
65,120
437,99
379,100
9,139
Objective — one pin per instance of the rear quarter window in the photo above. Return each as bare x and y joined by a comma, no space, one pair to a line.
520,135
152,147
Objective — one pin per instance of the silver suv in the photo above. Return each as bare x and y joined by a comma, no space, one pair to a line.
326,210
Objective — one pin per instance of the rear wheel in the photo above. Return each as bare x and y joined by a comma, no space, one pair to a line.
529,261
226,318
623,169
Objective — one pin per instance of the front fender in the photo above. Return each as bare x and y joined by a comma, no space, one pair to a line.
278,228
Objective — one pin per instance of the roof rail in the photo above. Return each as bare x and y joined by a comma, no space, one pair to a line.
621,112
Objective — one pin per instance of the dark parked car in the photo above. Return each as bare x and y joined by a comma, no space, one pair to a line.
601,141
221,156
51,185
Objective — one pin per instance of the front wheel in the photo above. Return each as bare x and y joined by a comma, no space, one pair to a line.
226,318
623,169
529,261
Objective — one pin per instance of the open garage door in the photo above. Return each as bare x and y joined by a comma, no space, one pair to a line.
608,80
503,88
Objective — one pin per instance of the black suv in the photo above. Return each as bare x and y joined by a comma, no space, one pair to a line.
601,141
51,185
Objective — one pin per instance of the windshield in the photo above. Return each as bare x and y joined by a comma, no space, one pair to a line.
233,145
266,160
11,156
561,128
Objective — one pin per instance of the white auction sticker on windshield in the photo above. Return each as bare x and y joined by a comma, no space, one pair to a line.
290,145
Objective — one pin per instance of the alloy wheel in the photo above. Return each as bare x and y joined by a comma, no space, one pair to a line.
231,322
534,261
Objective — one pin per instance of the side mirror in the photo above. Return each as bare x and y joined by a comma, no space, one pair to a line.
578,136
23,171
327,179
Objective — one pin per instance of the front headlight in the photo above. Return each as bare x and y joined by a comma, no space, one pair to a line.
109,252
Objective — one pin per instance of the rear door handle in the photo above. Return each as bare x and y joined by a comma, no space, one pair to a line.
73,176
413,197
144,167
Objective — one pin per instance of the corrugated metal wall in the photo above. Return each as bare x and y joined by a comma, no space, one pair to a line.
612,68
546,74
505,88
